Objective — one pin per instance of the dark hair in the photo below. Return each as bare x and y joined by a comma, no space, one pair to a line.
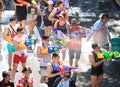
44,37
12,19
59,2
105,15
27,69
19,29
5,74
94,45
54,55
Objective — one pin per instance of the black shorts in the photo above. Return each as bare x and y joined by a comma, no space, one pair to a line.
21,17
97,73
73,52
47,22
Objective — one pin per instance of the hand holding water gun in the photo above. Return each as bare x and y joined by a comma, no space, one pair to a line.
51,49
64,68
28,42
108,55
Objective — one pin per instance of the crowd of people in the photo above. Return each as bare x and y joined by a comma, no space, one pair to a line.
53,14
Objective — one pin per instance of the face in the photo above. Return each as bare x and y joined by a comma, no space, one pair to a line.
66,78
74,26
56,59
26,73
21,33
105,20
61,18
7,78
61,6
13,23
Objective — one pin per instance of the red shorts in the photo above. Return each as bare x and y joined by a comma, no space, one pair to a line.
18,58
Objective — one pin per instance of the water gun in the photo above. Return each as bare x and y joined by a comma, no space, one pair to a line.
77,33
64,68
10,38
59,33
36,5
23,2
51,49
108,55
28,42
61,42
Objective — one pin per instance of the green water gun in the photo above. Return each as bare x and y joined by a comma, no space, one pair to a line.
108,55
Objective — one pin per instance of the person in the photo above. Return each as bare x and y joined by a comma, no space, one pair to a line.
6,80
21,12
65,81
10,31
57,10
63,25
20,54
26,80
31,16
75,42
1,7
44,58
47,23
97,66
100,33
52,74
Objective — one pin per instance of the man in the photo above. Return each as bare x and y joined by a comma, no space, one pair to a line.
65,81
8,35
20,54
100,33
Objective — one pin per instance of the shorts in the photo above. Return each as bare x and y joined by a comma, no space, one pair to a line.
97,72
73,52
18,59
31,16
21,16
10,48
43,71
47,22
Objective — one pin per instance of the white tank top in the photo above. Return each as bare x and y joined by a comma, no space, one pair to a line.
23,38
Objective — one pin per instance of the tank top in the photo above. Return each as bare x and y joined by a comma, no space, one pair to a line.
52,79
23,38
62,28
98,68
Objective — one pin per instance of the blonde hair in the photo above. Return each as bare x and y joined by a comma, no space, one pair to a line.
73,21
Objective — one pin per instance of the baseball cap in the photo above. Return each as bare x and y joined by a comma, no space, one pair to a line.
50,2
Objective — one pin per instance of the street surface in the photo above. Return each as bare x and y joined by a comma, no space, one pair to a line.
87,13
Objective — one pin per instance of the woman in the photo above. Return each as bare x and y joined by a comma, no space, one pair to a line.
63,25
57,10
76,34
6,80
26,80
43,57
45,14
52,75
20,54
97,66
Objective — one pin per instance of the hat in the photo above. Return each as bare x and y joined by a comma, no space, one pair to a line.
43,85
60,15
50,2
27,69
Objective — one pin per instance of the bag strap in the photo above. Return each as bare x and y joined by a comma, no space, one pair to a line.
13,29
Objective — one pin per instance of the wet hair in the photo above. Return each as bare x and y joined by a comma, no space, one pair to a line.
12,19
105,15
19,29
5,74
59,3
27,69
94,45
54,55
44,37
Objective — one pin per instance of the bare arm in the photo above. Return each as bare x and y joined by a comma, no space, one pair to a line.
92,61
49,72
51,16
